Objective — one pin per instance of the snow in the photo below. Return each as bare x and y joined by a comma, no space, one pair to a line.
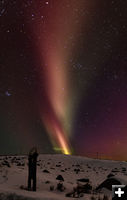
14,172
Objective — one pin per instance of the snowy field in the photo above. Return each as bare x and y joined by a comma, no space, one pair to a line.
82,177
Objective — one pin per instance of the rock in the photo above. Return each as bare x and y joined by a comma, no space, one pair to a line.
60,178
84,180
77,165
60,187
20,164
110,175
77,171
46,171
22,187
108,183
47,182
79,190
58,165
84,188
115,170
123,169
52,168
105,197
6,163
51,187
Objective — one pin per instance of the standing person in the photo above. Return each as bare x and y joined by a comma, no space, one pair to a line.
32,168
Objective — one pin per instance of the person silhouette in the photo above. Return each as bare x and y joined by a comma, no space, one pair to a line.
32,168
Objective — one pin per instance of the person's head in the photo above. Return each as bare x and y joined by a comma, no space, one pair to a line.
33,150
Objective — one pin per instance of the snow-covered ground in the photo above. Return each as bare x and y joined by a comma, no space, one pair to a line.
14,173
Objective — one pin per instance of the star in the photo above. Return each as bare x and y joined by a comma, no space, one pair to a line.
7,93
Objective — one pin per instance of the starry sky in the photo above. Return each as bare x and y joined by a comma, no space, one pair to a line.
63,77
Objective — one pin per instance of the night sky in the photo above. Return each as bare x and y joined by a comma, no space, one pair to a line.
63,77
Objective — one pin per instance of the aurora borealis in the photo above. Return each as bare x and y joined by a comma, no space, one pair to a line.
63,69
